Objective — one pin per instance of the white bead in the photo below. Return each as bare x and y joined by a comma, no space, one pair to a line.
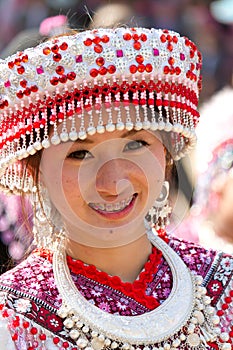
68,323
100,129
154,126
85,329
82,343
146,125
91,130
210,310
224,336
161,125
138,126
182,337
82,135
101,337
206,300
64,136
114,345
215,319
31,150
110,127
107,342
120,126
55,140
74,334
37,145
73,135
128,126
167,346
94,334
193,339
79,324
176,343
97,344
199,316
125,346
45,143
168,126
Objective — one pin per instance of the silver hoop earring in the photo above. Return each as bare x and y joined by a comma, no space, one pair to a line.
158,215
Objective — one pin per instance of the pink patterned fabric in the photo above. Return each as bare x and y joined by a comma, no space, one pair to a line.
31,298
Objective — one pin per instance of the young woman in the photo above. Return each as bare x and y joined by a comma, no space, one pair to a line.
90,125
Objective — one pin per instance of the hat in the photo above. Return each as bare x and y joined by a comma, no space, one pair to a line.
78,76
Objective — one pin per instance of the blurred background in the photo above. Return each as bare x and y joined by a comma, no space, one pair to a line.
208,23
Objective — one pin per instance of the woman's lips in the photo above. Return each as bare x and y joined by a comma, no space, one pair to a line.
116,210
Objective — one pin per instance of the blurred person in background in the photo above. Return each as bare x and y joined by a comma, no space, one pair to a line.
211,217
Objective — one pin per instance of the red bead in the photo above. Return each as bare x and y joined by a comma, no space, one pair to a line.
60,70
139,59
23,83
14,337
100,61
143,37
133,69
19,94
228,300
137,45
78,58
96,40
25,58
55,48
27,91
191,53
57,57
166,70
18,61
178,70
231,293
42,336
64,46
163,38
169,37
26,324
36,125
105,38
149,67
98,48
93,72
127,36
21,70
141,68
88,42
71,75
171,61
11,64
34,88
34,330
170,47
65,345
135,37
175,39
54,81
111,69
46,50
103,71
63,79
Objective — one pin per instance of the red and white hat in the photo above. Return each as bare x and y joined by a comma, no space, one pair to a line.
76,77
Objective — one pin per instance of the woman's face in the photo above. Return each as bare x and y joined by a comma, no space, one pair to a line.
104,185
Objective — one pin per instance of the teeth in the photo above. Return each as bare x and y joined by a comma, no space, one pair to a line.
112,207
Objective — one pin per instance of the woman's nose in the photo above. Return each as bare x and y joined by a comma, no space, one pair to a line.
113,178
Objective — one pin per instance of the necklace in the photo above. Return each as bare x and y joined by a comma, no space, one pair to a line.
185,319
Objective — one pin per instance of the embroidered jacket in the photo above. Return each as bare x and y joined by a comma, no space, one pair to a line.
29,298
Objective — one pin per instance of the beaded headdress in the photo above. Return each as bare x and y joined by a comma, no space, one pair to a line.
76,77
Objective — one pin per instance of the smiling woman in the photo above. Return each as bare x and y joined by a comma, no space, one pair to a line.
90,136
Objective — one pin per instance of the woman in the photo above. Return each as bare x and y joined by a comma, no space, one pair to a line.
91,134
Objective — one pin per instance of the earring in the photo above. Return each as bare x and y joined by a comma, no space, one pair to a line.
158,215
47,223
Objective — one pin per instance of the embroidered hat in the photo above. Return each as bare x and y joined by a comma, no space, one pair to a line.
76,77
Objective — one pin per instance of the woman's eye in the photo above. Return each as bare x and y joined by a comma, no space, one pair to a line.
134,145
80,155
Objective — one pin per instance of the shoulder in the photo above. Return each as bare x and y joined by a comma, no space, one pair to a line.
215,267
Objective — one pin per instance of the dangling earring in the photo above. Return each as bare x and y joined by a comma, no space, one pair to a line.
47,223
158,215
